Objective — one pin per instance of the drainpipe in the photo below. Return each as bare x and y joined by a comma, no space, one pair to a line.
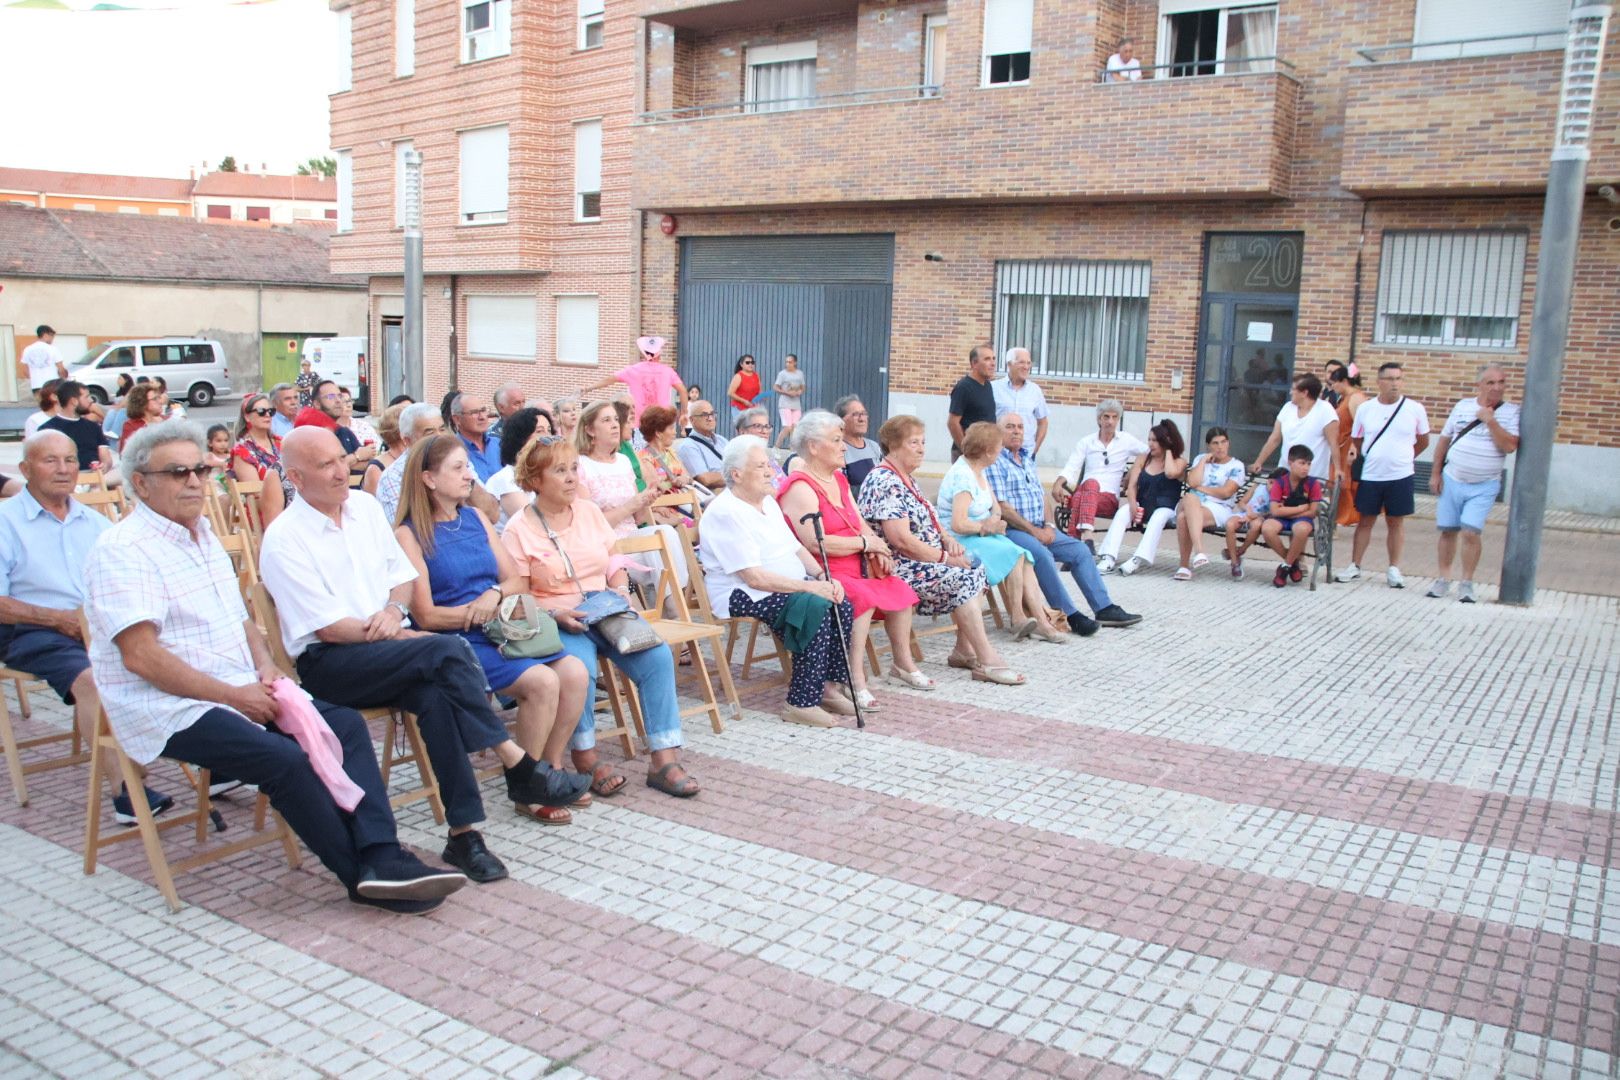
1355,296
455,357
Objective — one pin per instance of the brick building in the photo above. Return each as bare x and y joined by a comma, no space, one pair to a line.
1287,183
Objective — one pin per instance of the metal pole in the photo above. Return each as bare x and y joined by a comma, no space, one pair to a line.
1555,282
412,359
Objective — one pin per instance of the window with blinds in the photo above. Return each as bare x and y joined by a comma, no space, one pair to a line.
1456,289
588,170
1009,30
484,175
578,335
781,77
591,24
501,327
1079,319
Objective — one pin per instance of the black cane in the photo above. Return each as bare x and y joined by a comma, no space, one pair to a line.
814,518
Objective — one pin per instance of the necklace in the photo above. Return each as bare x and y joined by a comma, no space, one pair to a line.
451,528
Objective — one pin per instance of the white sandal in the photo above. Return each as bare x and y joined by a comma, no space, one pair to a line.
865,700
916,680
1199,561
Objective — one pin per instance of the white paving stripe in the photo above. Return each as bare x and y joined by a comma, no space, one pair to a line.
1137,1004
1512,887
101,980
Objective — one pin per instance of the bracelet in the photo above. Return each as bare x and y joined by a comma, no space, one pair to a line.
863,543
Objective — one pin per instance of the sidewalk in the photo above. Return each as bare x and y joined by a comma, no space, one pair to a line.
1387,849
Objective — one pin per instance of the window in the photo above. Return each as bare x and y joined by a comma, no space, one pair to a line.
501,327
588,170
1543,23
404,38
400,149
129,209
1196,39
591,24
1078,319
217,211
1459,289
345,190
483,175
330,214
162,355
345,51
486,29
1009,27
781,77
121,357
76,206
933,53
168,211
258,213
577,330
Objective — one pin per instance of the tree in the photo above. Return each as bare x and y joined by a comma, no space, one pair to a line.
319,166
228,164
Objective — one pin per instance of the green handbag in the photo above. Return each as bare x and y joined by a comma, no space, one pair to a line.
523,630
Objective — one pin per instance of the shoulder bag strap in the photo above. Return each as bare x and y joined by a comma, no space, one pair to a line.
568,564
1399,405
1470,426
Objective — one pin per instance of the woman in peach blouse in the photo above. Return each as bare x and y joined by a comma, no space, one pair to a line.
563,547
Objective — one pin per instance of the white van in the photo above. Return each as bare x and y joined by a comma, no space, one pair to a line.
192,368
338,359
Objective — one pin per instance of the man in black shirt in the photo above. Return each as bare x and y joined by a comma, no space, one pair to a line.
972,399
91,442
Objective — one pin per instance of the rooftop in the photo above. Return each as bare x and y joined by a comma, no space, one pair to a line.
94,184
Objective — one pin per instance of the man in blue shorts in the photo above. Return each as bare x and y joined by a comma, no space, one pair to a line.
1390,432
1469,458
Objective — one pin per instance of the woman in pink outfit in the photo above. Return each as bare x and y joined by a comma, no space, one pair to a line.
650,382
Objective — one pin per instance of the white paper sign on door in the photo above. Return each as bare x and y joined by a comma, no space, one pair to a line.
1259,331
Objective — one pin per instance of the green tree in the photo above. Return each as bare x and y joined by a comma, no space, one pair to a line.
228,164
319,166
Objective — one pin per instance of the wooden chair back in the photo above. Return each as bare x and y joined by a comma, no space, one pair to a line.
108,501
93,479
245,514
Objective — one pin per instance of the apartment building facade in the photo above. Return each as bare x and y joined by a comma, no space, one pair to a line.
876,185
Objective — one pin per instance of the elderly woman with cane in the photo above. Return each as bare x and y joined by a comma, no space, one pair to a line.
756,568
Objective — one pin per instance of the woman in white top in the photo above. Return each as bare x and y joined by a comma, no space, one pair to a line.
47,409
1213,481
520,427
1306,420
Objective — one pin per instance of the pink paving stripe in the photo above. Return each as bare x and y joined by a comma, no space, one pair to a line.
1427,808
1529,981
610,996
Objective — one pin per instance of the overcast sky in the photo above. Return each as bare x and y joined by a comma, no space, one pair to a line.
152,93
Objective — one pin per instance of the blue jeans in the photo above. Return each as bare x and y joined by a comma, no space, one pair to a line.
653,673
1081,565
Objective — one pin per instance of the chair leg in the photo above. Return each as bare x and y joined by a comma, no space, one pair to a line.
22,700
92,816
289,842
424,767
19,786
149,833
726,685
702,667
617,700
749,656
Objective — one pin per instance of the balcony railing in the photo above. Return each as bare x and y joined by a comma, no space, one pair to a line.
793,104
1457,48
1189,69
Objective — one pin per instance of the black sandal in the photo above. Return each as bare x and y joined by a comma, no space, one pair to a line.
659,780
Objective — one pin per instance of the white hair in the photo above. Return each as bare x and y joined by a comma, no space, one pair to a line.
413,415
747,416
1110,405
146,442
504,391
42,436
815,424
735,457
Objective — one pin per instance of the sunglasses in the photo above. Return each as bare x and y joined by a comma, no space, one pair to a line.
261,412
180,472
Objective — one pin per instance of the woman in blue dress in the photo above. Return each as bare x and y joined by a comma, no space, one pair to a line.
971,513
463,573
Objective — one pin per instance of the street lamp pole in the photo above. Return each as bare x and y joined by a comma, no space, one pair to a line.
413,274
1555,284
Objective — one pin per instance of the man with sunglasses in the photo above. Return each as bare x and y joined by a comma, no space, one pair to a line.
184,673
1092,479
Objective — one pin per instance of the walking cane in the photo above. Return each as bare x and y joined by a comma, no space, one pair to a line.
814,518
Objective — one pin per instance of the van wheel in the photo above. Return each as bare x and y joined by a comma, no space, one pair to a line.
202,396
97,395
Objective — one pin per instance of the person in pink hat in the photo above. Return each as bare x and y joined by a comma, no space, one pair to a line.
650,382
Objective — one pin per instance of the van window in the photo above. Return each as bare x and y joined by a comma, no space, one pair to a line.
121,357
162,355
198,354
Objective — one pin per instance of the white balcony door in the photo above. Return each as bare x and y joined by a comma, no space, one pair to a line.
934,51
781,77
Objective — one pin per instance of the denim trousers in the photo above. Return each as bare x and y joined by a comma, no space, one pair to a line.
1081,565
652,671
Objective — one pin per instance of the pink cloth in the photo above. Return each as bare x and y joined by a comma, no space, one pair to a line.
650,345
295,716
651,383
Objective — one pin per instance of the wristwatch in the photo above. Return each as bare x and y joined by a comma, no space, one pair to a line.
400,606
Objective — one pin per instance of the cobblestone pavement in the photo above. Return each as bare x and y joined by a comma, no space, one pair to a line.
1269,833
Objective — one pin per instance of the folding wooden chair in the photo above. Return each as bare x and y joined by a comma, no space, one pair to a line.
697,603
245,515
399,726
147,827
13,747
109,501
93,479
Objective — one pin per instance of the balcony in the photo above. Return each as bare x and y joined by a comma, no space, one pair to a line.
1470,117
1218,136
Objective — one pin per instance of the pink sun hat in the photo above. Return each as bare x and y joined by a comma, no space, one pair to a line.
650,346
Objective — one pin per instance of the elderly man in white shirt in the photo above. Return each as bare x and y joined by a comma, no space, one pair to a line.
184,673
1092,479
1018,393
342,587
1469,456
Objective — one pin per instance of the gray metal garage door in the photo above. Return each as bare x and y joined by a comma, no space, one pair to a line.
824,298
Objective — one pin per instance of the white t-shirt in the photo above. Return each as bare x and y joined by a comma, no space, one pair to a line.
1130,69
735,537
1308,430
1218,473
1392,455
1028,401
1474,458
41,359
1104,464
31,425
503,482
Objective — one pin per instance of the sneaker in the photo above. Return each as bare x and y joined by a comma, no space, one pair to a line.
1295,574
399,875
467,853
1439,589
1393,576
1465,592
1280,578
1132,565
1084,625
1237,569
124,810
1349,573
1106,564
398,907
1114,615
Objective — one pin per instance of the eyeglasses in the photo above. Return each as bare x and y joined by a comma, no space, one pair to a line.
757,427
180,472
261,412
702,415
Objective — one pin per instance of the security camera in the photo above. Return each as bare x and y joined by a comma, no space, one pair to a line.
1607,192
933,256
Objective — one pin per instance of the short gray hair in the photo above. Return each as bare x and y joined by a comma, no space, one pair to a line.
1110,404
147,441
736,454
500,395
1490,365
746,417
841,406
815,424
278,388
412,415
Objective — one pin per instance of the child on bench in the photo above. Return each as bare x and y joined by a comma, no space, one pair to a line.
1295,498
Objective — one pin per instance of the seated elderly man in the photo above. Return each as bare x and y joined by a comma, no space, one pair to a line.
186,674
417,422
1094,476
342,586
701,451
756,568
45,540
1017,486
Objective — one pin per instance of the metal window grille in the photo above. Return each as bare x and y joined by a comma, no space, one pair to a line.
1456,289
1079,319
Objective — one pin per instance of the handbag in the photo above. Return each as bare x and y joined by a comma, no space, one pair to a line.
606,613
1355,466
523,630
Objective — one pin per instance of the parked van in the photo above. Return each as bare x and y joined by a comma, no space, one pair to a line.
339,359
193,368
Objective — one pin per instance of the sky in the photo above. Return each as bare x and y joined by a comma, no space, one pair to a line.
154,93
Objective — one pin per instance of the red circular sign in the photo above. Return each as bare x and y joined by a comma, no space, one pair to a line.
669,224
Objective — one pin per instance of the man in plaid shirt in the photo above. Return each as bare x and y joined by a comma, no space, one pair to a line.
1017,486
